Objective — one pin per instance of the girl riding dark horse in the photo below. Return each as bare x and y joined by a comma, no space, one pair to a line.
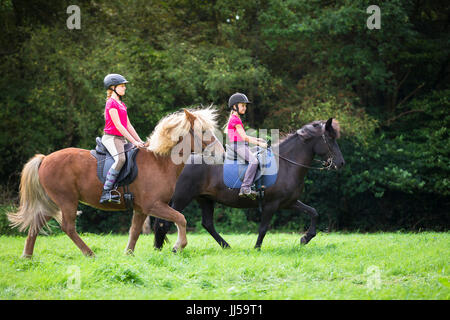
205,182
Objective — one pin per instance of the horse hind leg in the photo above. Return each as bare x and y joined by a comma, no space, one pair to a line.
30,242
69,215
36,208
208,221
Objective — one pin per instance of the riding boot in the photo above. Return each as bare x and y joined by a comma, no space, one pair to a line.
107,196
247,192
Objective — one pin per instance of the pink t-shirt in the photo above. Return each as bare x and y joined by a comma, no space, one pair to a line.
110,128
233,135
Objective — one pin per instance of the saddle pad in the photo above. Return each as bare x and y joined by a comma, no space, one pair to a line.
266,175
104,162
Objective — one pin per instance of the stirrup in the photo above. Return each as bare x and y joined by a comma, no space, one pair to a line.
252,194
115,198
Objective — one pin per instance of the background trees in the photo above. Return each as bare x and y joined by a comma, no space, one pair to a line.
297,60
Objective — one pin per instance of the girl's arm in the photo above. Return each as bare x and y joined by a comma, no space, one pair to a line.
132,131
258,141
116,120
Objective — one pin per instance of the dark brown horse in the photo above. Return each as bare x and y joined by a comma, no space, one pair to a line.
51,186
205,182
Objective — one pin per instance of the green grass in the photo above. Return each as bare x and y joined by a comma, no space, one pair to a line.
331,266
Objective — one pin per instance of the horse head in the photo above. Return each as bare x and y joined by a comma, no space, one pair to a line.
202,126
325,145
183,132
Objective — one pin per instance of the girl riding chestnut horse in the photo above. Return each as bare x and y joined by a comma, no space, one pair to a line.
53,185
118,129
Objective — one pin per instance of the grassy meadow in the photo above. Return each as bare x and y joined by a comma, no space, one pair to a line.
331,266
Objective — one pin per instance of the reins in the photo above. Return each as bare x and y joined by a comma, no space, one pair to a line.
109,156
328,167
329,160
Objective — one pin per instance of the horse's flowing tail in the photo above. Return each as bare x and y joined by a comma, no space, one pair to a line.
35,205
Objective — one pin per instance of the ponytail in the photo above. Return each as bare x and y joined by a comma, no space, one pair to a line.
225,128
108,94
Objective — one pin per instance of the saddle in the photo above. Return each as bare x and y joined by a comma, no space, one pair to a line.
234,168
104,162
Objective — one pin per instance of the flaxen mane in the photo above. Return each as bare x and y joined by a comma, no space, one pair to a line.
171,128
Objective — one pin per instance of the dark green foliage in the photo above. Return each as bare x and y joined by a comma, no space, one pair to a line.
297,60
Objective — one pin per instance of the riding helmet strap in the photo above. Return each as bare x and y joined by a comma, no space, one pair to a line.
114,89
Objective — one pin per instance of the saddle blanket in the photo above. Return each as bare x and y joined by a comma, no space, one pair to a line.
234,169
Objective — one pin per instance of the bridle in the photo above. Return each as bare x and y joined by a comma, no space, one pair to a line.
327,165
204,145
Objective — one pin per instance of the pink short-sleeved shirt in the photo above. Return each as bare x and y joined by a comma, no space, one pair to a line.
110,127
233,135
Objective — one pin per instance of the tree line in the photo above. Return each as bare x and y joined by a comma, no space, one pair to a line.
298,61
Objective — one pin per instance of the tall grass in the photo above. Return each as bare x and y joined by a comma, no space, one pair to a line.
331,266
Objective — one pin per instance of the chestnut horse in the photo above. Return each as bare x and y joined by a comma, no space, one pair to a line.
51,186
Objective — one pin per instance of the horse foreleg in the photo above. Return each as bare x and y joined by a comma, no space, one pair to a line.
164,211
311,233
208,221
267,214
135,230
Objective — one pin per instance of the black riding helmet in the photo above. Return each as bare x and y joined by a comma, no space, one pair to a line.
237,98
114,79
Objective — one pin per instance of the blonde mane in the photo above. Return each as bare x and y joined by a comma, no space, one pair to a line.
172,127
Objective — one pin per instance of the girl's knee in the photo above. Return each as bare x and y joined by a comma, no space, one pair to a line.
121,160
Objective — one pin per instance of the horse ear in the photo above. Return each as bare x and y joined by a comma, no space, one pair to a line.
329,128
190,116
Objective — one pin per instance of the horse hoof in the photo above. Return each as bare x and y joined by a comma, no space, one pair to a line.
176,250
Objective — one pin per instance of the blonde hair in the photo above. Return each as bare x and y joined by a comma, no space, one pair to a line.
108,94
175,125
225,127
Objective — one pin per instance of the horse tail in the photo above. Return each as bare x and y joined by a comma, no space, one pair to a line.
35,204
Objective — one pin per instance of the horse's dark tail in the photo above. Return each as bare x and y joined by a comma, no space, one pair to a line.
160,228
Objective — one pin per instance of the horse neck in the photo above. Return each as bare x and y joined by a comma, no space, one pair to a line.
178,167
298,151
168,167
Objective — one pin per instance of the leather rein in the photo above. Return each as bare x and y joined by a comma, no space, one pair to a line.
327,165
